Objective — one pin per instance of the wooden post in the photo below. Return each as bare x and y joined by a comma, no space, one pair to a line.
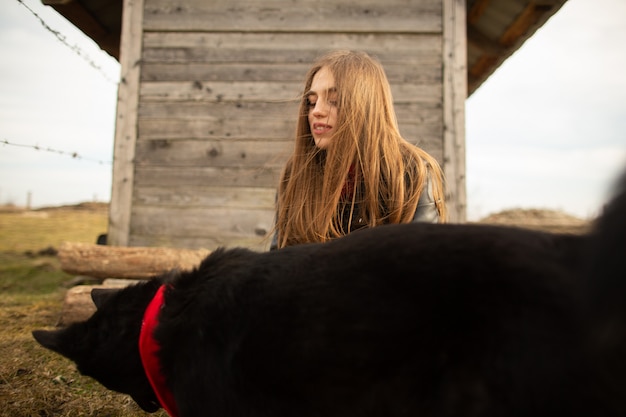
126,123
454,95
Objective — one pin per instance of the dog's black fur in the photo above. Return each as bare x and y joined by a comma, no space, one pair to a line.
408,320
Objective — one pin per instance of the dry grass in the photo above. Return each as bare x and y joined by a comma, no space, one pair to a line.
29,230
37,382
33,380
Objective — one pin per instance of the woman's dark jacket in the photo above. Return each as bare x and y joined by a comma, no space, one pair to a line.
426,212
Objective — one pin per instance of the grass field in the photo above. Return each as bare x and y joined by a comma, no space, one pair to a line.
34,381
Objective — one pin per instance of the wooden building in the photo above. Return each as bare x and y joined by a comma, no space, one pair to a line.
209,91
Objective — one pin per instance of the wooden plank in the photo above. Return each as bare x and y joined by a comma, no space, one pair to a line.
271,55
206,195
431,144
272,121
266,72
221,224
425,94
184,142
206,121
477,10
271,129
423,72
421,132
249,111
166,130
485,44
218,91
257,243
455,91
281,48
287,110
529,17
173,177
299,16
389,47
264,54
126,124
214,153
481,66
419,113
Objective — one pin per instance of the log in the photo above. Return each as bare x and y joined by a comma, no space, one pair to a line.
101,261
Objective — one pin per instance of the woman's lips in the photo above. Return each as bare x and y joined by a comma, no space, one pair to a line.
320,128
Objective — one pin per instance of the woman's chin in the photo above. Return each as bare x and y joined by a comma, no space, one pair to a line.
321,142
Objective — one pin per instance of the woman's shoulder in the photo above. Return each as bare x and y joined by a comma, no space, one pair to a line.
426,210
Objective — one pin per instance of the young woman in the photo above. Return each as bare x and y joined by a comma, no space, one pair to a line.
350,167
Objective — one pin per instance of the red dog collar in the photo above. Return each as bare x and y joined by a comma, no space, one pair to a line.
148,350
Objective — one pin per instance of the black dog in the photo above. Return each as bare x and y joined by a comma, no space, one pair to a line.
410,320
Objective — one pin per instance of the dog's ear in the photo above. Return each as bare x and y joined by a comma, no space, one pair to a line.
101,295
53,340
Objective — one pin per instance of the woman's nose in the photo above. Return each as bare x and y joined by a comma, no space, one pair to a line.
320,109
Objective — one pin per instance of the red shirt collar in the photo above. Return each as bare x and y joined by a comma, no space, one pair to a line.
148,350
348,186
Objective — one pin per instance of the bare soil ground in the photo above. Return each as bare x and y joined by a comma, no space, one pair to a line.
35,382
547,220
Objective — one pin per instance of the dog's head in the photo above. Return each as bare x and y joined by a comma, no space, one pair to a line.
105,347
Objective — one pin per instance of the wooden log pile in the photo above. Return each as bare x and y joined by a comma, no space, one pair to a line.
118,267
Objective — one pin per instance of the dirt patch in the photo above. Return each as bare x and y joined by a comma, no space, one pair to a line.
539,219
36,382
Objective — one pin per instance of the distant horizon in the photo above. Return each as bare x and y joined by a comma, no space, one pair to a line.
60,205
512,210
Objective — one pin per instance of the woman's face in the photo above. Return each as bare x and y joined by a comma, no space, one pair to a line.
322,100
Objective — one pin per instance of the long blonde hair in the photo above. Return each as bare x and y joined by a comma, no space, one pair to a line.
389,172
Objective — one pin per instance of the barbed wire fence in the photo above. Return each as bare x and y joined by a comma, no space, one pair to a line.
92,63
74,155
76,49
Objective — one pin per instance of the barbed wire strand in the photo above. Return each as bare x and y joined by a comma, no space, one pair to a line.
75,48
74,155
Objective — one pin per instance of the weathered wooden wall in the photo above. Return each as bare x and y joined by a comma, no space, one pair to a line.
216,87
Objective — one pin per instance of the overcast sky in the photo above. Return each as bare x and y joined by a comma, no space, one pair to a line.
547,130
52,98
